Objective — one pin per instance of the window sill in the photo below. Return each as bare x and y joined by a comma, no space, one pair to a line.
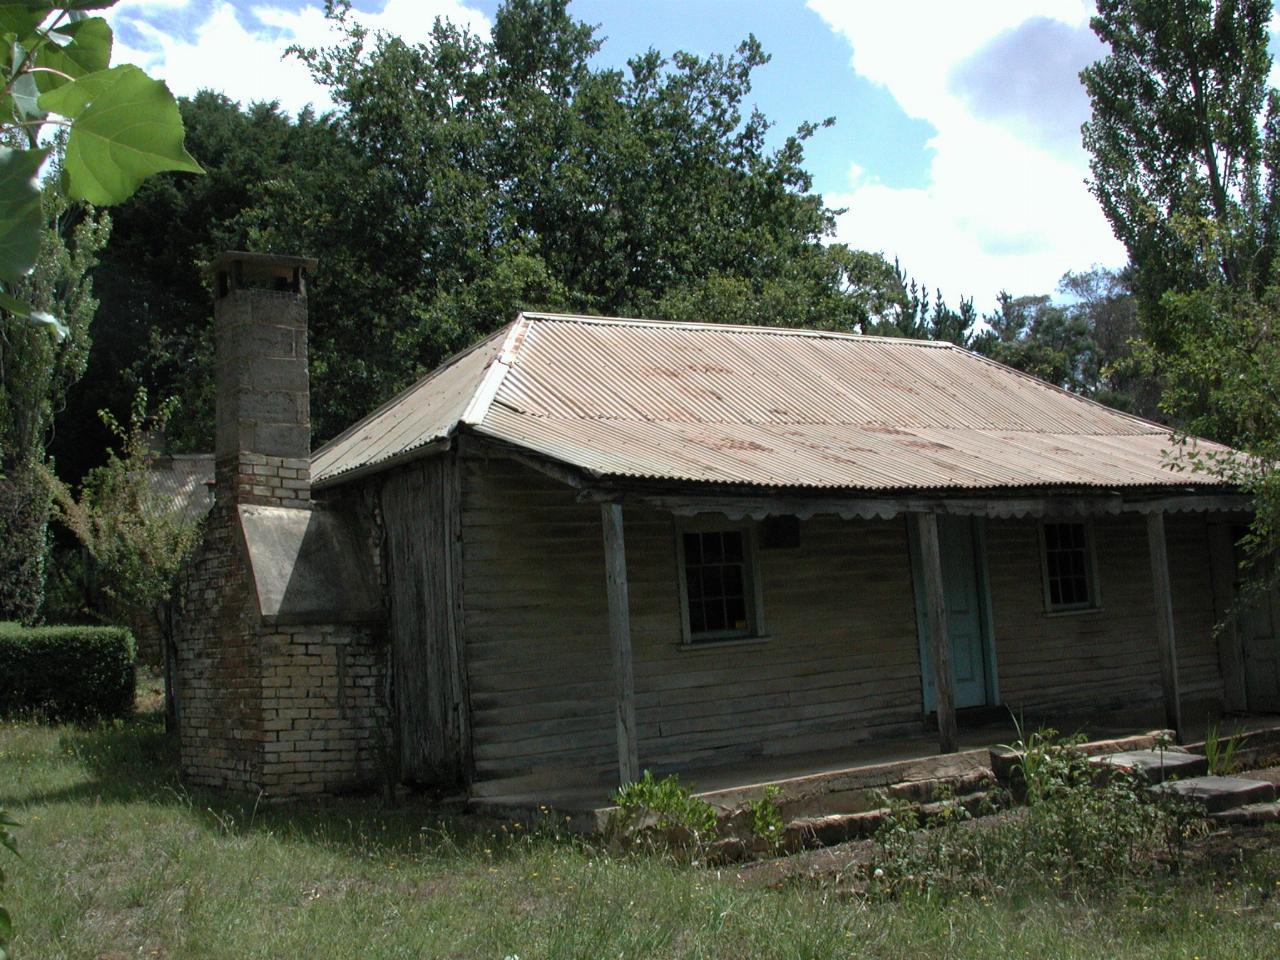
700,646
1082,612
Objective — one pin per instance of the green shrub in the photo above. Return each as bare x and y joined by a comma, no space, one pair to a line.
1075,833
66,673
672,805
766,817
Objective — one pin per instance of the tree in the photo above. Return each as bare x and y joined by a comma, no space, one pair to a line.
1082,342
1185,147
116,127
1184,141
121,127
478,178
35,373
153,324
137,540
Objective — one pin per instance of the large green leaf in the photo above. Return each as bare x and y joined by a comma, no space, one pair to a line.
21,218
88,50
71,99
125,127
26,98
19,20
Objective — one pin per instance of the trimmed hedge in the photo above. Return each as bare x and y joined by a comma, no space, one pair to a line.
67,673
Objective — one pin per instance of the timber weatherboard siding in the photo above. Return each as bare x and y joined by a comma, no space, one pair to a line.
1106,657
841,662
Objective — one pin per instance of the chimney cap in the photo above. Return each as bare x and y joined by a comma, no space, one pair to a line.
224,260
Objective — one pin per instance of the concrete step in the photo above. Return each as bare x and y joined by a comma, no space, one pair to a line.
1251,814
1215,794
1154,766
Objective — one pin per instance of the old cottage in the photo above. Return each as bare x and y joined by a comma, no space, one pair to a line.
586,547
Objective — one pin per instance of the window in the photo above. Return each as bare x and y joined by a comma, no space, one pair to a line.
718,580
1068,567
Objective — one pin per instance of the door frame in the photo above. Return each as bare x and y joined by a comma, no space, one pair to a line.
982,578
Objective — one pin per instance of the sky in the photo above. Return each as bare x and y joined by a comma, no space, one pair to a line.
956,144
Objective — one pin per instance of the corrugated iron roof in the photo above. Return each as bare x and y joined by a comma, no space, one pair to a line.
182,483
762,406
429,410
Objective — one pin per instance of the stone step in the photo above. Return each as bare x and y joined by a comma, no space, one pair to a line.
834,828
826,831
1155,766
1251,814
1215,794
1005,760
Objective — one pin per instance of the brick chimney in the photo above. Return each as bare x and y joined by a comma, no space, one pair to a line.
263,447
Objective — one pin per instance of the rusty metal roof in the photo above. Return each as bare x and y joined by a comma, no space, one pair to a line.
761,406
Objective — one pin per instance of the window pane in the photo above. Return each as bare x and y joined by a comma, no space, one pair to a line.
736,608
694,575
692,548
1066,562
715,620
697,620
712,582
715,579
732,580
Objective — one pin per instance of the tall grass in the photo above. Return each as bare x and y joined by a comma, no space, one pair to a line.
120,860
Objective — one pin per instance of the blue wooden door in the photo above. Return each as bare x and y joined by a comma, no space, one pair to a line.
965,617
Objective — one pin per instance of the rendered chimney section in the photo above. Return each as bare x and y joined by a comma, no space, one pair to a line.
263,444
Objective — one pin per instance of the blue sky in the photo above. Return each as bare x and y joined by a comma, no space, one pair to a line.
956,141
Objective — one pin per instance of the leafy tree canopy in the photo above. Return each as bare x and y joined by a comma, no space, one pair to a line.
1185,152
462,180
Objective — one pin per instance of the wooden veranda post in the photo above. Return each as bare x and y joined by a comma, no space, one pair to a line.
926,529
1159,552
615,564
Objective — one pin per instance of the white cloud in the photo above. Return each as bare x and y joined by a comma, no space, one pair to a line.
1000,209
224,54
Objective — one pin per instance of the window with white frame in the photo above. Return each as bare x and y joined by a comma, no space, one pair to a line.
1069,582
718,583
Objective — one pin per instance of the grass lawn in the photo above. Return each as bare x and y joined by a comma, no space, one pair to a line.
119,860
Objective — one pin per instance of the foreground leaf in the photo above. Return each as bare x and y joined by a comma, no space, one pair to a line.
125,128
26,97
89,51
21,218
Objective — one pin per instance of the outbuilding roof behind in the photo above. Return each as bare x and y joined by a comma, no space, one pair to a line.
760,406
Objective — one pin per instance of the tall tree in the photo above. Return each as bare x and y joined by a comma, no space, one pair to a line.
1185,152
1184,142
116,127
153,327
476,178
36,370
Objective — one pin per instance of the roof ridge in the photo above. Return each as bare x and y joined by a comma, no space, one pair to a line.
396,398
496,372
744,328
